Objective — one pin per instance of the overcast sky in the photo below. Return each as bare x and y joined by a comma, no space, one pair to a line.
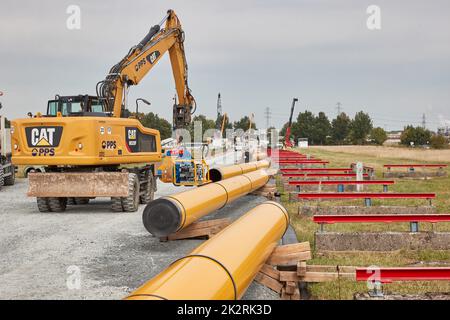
258,54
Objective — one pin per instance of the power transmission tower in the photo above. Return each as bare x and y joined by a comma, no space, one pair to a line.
424,121
338,107
267,114
219,106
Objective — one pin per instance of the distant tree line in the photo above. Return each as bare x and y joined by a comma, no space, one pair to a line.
419,136
319,130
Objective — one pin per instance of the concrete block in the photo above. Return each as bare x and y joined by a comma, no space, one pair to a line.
381,241
415,174
356,210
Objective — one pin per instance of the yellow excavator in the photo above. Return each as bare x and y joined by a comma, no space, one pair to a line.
92,146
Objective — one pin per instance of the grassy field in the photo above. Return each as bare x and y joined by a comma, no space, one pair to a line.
376,157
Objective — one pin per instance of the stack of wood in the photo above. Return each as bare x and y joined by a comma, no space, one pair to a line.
199,229
282,258
267,191
286,267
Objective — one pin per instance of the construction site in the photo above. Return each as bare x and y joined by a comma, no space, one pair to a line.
101,198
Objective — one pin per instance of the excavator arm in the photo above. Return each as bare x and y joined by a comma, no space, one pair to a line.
140,60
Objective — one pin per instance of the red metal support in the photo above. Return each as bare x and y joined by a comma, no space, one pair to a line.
324,175
415,165
302,162
378,218
366,195
338,182
387,275
306,170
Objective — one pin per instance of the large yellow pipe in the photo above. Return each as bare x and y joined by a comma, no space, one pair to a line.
172,213
218,174
224,266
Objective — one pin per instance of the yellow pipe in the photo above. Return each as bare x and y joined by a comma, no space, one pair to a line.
218,174
170,214
224,266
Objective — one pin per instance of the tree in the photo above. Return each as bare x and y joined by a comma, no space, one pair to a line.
340,128
207,124
438,141
243,124
152,120
378,136
304,126
418,136
219,121
322,128
360,128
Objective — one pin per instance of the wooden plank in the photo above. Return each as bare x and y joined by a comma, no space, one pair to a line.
326,276
205,228
290,287
325,268
301,268
286,276
208,223
292,248
288,259
269,282
270,271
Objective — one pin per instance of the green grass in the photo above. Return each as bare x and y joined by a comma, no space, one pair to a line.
345,289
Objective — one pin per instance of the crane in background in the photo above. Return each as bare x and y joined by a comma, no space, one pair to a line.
287,138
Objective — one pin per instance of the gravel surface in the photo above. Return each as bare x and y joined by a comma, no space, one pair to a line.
42,254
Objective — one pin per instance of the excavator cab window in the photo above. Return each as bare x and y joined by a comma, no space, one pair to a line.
76,106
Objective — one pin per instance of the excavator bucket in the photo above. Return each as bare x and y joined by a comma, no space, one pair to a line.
65,184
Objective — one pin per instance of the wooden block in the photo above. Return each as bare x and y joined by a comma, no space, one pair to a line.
292,248
325,268
285,295
309,276
326,276
269,282
288,259
289,276
296,295
198,229
290,287
270,271
301,268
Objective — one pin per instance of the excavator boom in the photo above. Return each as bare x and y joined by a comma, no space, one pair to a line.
141,59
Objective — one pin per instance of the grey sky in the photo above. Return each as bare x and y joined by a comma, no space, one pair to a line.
258,54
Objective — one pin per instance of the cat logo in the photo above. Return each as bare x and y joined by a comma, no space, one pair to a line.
43,137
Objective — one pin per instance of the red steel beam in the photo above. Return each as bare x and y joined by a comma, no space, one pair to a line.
415,165
366,195
387,275
296,170
337,182
302,161
387,218
344,175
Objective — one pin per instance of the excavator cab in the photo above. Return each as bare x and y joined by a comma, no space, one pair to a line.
76,106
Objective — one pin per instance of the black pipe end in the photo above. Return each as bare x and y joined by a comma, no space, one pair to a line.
215,175
162,217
